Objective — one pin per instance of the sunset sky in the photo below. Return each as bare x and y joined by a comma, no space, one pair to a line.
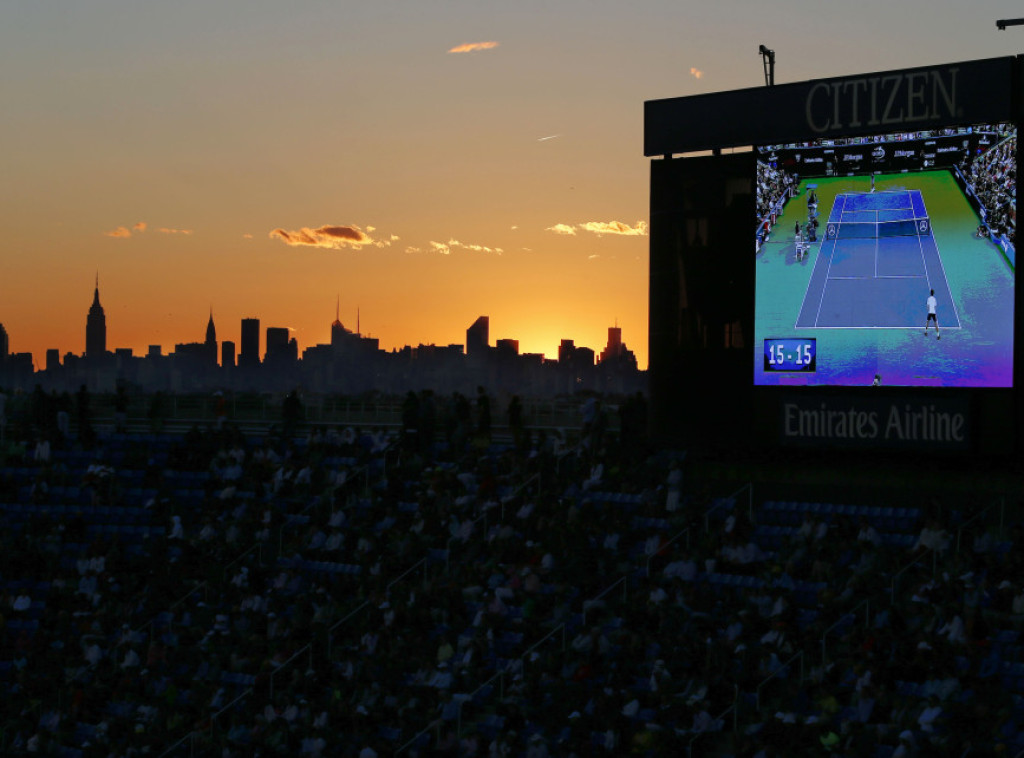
427,162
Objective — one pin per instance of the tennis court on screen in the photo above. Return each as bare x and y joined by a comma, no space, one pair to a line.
876,266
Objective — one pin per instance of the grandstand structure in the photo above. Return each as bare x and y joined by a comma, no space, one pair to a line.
335,592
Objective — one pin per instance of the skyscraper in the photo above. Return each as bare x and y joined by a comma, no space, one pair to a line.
478,337
96,327
211,341
4,345
250,355
277,344
338,330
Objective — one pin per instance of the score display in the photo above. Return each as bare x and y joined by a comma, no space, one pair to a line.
790,354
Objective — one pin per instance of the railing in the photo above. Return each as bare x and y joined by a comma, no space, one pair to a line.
336,624
307,647
180,411
458,719
652,556
190,738
458,538
195,733
722,502
1000,502
523,659
232,704
280,532
588,604
258,547
866,604
749,487
413,567
728,500
783,668
718,719
516,492
896,577
542,640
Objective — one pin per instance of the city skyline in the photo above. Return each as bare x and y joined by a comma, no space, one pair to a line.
266,358
96,343
431,164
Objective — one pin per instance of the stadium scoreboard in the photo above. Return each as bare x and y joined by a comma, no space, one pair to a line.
878,266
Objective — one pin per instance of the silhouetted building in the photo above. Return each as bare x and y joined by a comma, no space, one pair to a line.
507,348
565,351
227,354
478,337
4,344
250,355
338,330
211,341
277,344
96,327
52,359
614,346
617,352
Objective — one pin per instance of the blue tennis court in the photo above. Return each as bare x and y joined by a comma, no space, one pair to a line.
877,263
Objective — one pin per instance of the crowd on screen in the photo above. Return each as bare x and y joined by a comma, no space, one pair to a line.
446,591
993,177
774,186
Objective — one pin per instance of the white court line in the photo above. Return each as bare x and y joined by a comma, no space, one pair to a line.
870,278
945,328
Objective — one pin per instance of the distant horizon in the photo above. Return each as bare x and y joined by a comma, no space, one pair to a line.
142,349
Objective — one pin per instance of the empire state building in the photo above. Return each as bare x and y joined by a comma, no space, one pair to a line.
96,327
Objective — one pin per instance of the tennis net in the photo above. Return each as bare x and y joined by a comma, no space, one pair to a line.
909,227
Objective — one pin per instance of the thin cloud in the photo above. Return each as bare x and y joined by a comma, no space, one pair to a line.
562,229
696,73
247,236
165,230
123,232
472,47
445,248
616,227
549,137
329,237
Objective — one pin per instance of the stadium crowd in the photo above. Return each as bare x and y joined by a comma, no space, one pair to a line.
774,186
439,590
993,177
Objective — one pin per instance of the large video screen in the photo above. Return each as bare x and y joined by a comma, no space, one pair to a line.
887,259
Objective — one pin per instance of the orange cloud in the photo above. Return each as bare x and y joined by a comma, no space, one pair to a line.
123,232
616,227
472,47
247,236
562,229
445,248
165,230
696,73
330,237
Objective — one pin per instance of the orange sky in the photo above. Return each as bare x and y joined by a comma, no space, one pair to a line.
426,163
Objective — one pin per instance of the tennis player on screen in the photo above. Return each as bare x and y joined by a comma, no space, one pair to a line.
932,304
